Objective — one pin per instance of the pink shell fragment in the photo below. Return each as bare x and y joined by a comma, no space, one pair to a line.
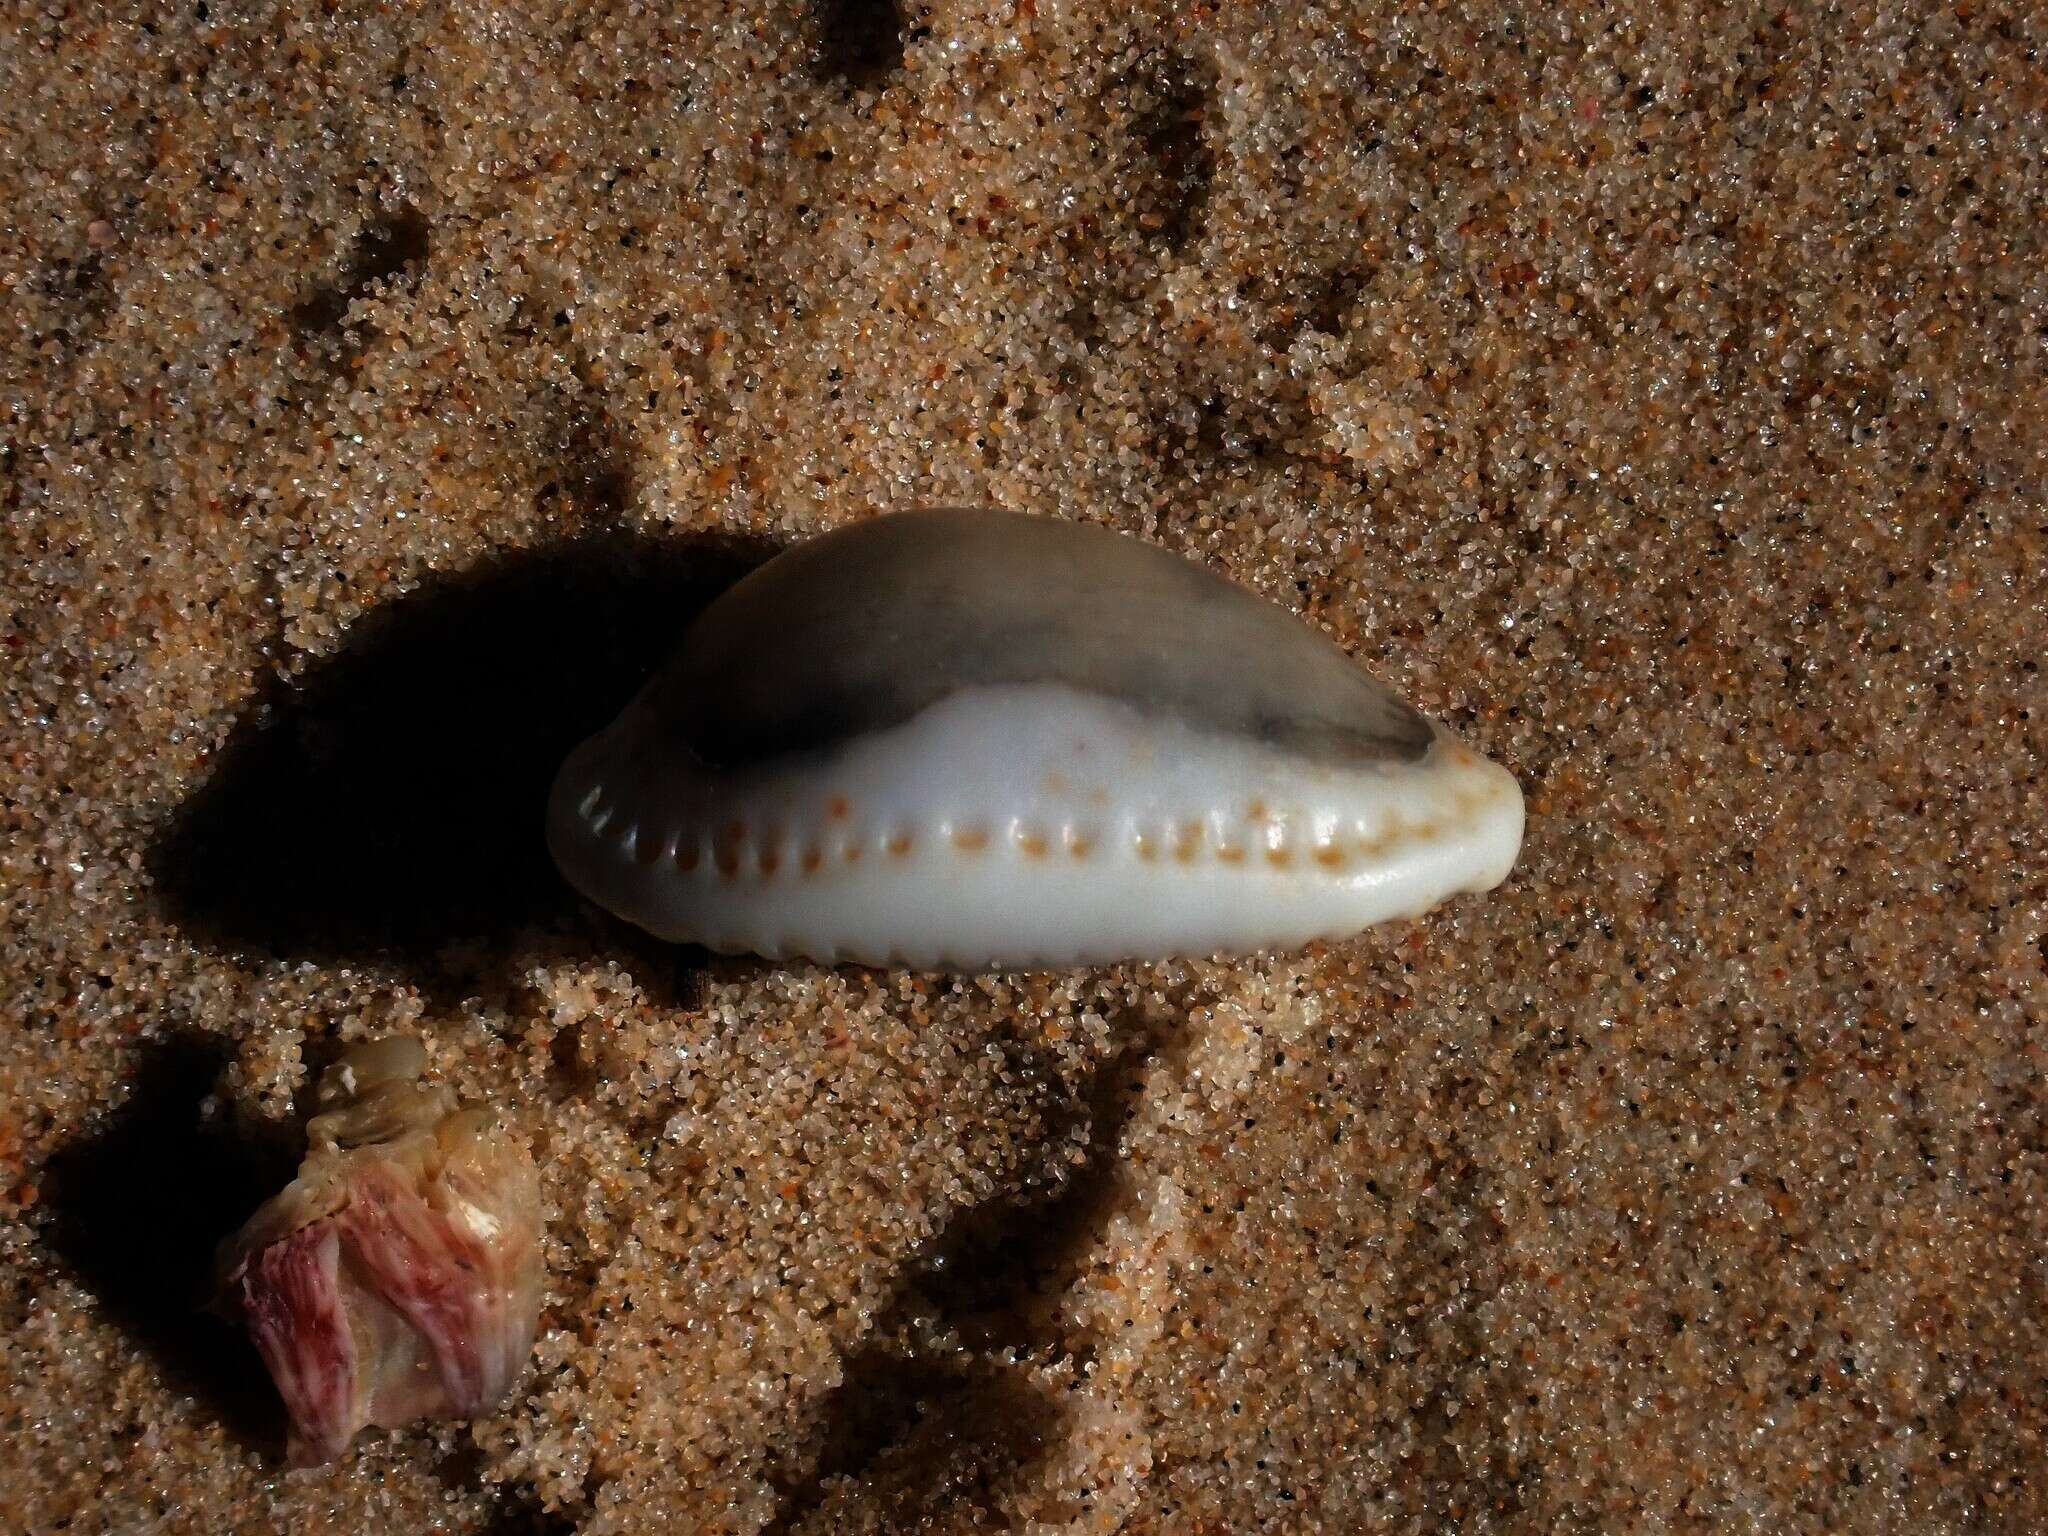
399,1276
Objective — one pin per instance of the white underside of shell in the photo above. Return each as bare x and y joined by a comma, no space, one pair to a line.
1030,826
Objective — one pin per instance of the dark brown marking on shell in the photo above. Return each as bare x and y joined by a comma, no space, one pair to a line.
726,846
867,626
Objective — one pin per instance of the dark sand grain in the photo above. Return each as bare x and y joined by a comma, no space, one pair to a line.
1656,394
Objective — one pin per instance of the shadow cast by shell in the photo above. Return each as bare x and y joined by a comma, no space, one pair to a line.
138,1207
386,807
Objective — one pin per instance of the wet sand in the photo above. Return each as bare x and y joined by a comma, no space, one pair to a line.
1655,395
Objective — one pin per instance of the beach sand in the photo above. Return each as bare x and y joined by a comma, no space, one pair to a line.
1654,394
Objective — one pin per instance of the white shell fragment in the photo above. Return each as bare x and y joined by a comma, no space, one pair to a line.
979,739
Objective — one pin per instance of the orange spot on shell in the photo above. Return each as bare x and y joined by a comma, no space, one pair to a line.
898,844
1230,853
1279,858
1330,856
1031,845
1391,832
837,808
814,857
770,861
970,839
1189,842
1147,849
1079,844
686,855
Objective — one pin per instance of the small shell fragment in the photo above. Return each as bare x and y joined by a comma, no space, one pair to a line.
398,1277
972,738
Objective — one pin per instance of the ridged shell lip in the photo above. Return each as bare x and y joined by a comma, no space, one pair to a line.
939,822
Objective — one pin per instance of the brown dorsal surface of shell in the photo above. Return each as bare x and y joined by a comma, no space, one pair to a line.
866,627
